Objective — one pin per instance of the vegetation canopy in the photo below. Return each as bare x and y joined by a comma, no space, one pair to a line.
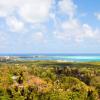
49,80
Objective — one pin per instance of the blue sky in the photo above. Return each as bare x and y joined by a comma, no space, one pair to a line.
50,26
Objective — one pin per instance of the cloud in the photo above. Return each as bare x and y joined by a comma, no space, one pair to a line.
71,28
70,24
86,32
8,6
67,7
97,15
74,30
14,24
33,11
39,37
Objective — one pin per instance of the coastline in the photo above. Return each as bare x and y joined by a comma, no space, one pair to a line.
58,58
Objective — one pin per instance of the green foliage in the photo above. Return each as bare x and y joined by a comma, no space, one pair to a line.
49,80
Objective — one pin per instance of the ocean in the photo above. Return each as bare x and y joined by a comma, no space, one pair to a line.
57,57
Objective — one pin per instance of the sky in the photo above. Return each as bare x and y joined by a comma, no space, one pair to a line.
49,26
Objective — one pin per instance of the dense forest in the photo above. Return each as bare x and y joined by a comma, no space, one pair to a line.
49,80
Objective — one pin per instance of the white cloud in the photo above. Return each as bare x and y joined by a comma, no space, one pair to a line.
69,29
39,37
34,11
67,7
97,15
14,24
88,31
8,6
71,24
74,30
52,16
37,11
62,36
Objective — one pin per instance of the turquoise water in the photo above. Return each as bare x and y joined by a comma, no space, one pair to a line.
70,58
58,57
